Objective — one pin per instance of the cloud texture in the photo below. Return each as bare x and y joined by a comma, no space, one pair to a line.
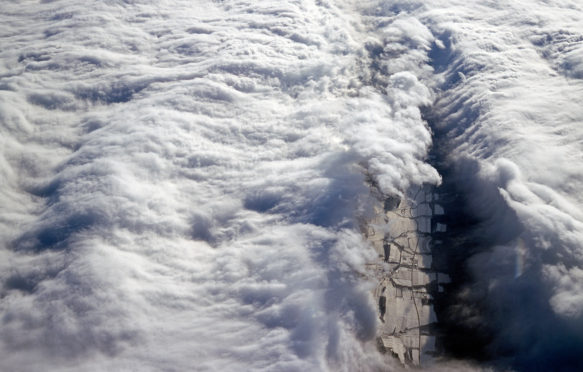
182,181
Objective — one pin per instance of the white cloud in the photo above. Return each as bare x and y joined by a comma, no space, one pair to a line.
181,181
198,185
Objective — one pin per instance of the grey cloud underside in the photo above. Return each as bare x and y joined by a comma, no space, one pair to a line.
182,182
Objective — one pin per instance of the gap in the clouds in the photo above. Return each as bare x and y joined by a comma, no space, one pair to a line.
485,314
462,330
464,327
450,252
471,208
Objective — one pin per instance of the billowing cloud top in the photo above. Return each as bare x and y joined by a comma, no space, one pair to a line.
182,182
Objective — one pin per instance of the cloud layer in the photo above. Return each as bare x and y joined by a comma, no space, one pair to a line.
182,182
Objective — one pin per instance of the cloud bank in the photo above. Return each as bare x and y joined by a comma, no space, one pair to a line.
182,182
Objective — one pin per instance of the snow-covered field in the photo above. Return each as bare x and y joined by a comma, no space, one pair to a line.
182,182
